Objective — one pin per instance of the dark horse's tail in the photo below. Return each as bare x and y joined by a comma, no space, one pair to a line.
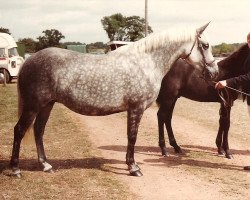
29,135
248,105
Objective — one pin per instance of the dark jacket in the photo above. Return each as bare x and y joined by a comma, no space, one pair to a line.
242,80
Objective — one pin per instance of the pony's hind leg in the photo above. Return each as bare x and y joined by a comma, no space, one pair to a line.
134,118
24,122
39,127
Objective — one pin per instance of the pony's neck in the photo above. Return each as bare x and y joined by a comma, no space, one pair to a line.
164,58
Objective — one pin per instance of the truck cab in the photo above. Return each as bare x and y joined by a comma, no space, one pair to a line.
10,61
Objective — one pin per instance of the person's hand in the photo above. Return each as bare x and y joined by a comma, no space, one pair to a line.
220,84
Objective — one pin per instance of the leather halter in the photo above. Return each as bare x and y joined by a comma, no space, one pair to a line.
200,50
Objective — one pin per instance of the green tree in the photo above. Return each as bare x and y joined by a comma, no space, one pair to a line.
5,30
51,38
135,28
225,49
29,43
119,27
114,25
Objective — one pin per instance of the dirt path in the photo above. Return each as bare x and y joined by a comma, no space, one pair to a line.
198,174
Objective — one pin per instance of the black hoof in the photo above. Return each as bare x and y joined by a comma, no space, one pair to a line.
165,153
136,173
221,154
229,156
247,168
178,150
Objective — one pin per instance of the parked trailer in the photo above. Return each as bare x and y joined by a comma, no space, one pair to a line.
10,61
116,44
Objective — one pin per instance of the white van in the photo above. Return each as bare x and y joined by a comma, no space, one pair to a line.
10,61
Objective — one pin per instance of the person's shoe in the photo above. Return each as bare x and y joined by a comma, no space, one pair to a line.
247,168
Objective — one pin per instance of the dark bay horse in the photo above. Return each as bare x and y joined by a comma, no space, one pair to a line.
183,80
127,79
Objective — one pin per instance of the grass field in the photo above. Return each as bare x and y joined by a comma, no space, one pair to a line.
80,173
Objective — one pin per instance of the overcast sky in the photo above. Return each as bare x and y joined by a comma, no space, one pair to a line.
80,20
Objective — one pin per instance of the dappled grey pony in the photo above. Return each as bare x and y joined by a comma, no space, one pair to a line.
127,79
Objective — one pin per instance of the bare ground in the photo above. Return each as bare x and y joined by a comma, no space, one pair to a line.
197,174
88,155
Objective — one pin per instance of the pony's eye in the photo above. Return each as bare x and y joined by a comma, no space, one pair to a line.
205,46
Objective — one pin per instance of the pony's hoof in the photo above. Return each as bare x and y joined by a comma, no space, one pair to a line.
136,173
51,171
221,154
164,152
229,156
178,150
16,173
134,170
47,167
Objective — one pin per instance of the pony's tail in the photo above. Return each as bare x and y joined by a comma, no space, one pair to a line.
29,135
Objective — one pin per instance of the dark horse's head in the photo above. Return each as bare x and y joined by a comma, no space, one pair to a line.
233,65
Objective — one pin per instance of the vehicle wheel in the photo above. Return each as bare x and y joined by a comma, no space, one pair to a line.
2,76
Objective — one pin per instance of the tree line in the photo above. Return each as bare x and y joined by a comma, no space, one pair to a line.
117,26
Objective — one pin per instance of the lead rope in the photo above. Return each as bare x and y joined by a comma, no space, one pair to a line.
235,90
227,102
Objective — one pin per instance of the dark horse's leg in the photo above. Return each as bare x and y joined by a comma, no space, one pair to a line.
222,136
134,118
162,143
39,127
24,122
164,115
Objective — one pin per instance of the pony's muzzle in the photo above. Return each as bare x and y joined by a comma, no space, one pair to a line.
211,72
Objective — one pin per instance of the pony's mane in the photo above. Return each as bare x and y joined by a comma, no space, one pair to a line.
158,40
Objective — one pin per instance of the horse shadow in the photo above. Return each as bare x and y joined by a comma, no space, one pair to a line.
186,149
99,162
58,164
182,159
212,149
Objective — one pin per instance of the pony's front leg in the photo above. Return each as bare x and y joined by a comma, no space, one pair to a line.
168,109
225,144
222,136
134,118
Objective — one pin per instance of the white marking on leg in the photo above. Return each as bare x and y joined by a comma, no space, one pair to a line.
46,166
133,168
16,171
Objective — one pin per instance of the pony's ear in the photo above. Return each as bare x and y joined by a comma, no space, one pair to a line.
201,29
